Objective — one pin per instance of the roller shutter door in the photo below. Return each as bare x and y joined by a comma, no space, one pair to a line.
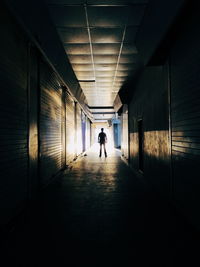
50,124
33,100
70,129
88,129
13,119
83,129
78,130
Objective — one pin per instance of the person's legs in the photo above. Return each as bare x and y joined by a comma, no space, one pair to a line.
104,147
100,150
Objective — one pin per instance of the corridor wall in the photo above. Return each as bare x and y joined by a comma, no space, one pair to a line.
88,133
83,130
79,144
164,117
50,124
33,95
38,117
125,132
14,118
185,115
149,128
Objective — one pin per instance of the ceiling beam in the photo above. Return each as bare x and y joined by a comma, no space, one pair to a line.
99,5
102,113
91,49
100,107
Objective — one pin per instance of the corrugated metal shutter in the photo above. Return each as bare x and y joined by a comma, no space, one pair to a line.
70,129
63,126
33,99
13,119
78,130
50,124
185,114
88,130
83,129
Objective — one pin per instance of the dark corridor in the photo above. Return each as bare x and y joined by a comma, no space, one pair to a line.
99,214
69,68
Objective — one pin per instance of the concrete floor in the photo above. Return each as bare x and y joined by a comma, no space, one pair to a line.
99,214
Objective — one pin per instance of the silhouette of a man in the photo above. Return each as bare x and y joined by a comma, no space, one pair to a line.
102,139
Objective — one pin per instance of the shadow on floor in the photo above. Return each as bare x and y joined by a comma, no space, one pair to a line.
99,214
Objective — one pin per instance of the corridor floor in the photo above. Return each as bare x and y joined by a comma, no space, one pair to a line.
99,214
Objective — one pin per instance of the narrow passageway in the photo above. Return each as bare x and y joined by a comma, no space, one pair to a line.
69,71
99,214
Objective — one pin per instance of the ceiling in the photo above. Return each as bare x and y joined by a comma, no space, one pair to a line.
99,39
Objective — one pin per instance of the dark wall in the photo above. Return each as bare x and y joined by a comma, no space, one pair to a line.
185,113
159,17
167,99
34,17
14,118
148,111
37,117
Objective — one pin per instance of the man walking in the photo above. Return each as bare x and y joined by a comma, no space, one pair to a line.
102,139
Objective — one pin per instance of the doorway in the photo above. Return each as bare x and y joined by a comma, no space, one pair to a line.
141,141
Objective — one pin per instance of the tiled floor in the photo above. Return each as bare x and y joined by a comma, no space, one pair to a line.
100,214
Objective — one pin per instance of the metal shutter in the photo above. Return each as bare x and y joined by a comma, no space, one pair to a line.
70,129
88,133
78,129
50,124
83,129
33,100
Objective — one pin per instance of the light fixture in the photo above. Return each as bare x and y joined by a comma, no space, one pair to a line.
86,81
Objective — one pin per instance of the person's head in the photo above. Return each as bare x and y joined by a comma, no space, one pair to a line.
102,129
